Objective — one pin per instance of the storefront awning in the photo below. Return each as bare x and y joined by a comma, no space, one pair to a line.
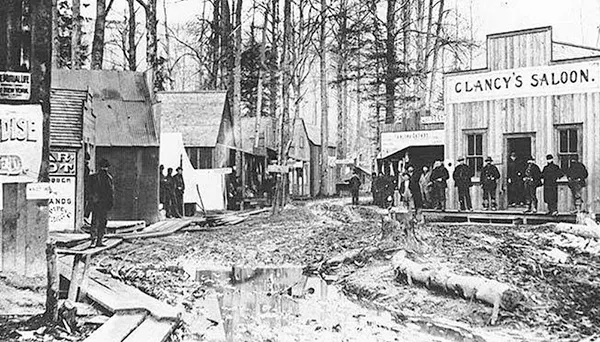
392,142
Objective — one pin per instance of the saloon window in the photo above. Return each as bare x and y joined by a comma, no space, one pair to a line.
568,145
475,152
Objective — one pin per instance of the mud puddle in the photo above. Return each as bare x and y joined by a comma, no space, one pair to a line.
282,304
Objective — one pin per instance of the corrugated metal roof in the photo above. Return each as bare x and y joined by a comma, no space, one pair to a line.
66,117
196,115
121,103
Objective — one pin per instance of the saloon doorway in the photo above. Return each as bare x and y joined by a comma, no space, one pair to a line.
522,145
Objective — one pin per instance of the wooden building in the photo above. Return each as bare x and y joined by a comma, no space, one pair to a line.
314,140
72,136
299,160
536,96
126,134
204,120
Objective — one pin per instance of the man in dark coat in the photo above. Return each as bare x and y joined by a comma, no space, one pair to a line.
532,179
415,188
101,197
179,188
374,187
514,180
576,175
161,185
439,177
169,192
489,179
462,180
550,174
354,187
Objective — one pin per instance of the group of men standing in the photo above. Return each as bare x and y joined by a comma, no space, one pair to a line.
523,179
171,191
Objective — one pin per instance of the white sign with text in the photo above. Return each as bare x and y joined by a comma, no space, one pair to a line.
560,79
392,142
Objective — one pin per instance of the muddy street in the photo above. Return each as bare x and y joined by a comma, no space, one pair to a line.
322,271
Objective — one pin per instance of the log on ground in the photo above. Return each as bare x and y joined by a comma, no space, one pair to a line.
497,294
587,231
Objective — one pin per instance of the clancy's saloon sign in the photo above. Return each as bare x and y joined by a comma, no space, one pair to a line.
560,79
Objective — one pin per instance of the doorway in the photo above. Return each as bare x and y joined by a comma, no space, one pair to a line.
522,146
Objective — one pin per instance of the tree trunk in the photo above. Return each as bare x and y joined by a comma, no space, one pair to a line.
237,96
274,72
99,27
151,35
215,44
131,28
76,35
341,84
285,93
324,185
390,54
259,86
226,46
168,46
55,50
436,47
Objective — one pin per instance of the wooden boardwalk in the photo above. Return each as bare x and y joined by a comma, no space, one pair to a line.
498,216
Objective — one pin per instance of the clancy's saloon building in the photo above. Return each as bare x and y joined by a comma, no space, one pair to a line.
535,97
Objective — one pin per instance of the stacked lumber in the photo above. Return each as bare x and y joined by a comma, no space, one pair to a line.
497,294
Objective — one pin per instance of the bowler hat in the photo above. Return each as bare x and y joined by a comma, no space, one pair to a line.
549,157
488,159
461,158
103,163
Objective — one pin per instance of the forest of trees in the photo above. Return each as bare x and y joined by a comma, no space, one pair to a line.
374,62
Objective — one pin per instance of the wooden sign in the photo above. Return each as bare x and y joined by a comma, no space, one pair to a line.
278,169
38,191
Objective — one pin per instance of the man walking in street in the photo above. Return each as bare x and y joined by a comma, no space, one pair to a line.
102,192
550,174
354,187
576,175
532,180
179,187
514,180
462,180
439,177
489,179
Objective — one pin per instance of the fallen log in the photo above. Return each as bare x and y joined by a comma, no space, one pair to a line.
587,231
497,294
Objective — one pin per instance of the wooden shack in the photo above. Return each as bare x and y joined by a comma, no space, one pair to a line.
314,140
126,134
536,96
299,160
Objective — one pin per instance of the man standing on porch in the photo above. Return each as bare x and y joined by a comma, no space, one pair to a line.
102,192
577,175
489,177
532,180
550,174
462,179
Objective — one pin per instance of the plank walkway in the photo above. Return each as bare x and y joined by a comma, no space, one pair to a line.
499,216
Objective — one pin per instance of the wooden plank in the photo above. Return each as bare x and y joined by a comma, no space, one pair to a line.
69,239
21,229
168,229
117,328
152,330
84,248
9,228
78,276
37,235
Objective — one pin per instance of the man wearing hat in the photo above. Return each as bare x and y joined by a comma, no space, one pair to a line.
489,177
576,175
550,175
179,187
439,177
532,179
102,191
514,180
462,180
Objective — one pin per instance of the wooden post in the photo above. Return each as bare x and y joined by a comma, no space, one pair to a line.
78,277
52,289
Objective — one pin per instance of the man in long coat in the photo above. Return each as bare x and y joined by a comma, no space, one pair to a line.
101,197
439,177
576,175
169,192
532,179
462,180
179,187
550,175
514,180
489,178
354,187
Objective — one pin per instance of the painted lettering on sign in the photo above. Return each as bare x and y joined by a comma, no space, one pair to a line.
62,163
538,81
15,85
61,205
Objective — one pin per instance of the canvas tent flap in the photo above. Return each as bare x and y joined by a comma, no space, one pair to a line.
203,187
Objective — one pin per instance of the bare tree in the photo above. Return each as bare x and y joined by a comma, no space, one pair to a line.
324,185
132,46
76,35
102,10
149,7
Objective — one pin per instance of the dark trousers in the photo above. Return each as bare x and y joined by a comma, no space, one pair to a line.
169,204
515,192
354,196
464,198
439,195
531,196
489,196
178,204
98,224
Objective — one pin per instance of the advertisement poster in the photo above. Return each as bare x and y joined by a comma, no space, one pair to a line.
61,205
15,85
20,144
